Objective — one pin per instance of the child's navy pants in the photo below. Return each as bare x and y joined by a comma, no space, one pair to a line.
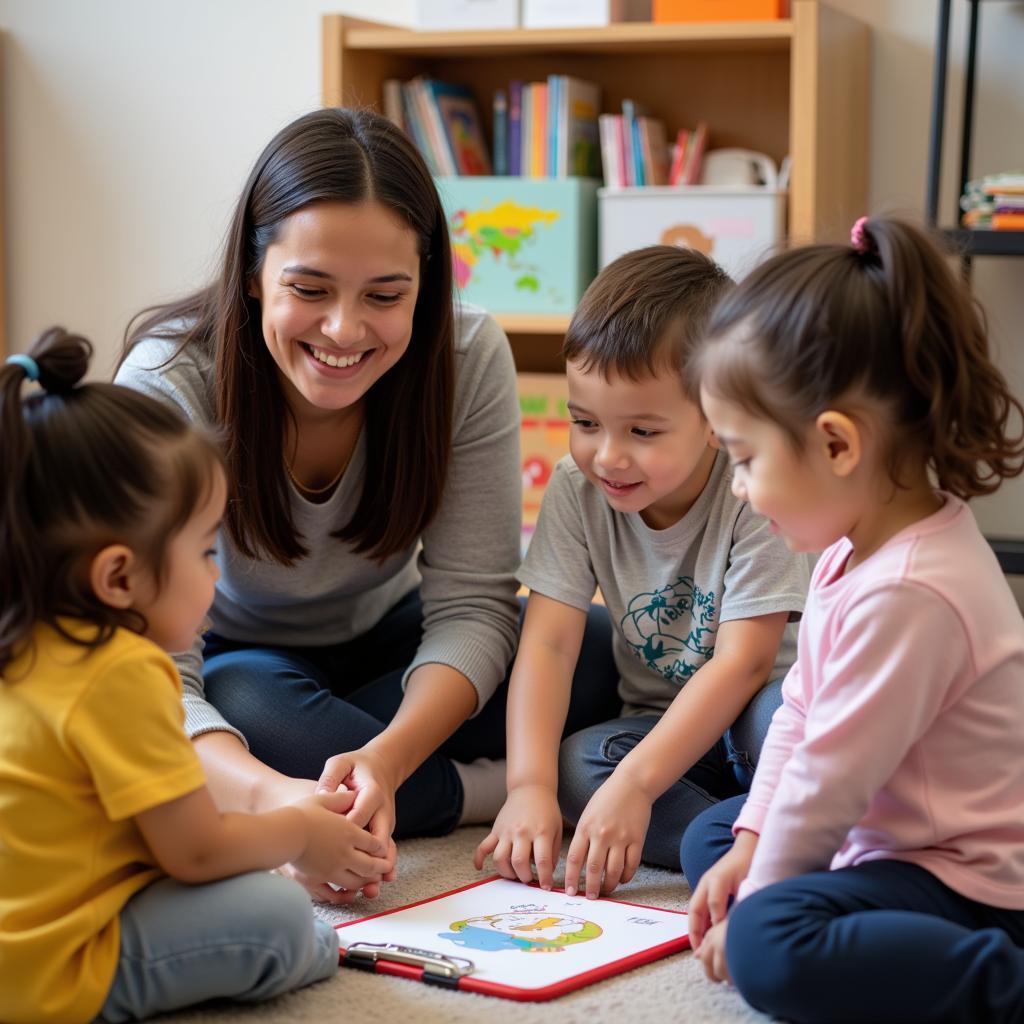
882,941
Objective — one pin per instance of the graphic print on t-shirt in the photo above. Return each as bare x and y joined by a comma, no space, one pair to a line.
668,629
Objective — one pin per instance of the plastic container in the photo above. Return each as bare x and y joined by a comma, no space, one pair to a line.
719,10
736,225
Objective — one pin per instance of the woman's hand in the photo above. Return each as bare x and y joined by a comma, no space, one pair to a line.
720,883
374,782
528,827
609,838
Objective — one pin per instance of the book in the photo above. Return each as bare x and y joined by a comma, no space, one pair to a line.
631,110
515,119
483,937
579,104
500,132
391,90
432,129
695,154
415,126
610,127
675,173
654,147
536,166
526,131
555,127
461,138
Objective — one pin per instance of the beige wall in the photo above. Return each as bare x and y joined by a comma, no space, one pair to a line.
129,126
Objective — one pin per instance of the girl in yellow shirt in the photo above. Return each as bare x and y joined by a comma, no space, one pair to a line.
124,892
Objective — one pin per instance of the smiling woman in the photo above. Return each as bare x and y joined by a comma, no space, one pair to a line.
366,607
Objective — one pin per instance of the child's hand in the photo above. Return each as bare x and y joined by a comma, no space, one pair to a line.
712,953
609,839
338,850
528,826
719,884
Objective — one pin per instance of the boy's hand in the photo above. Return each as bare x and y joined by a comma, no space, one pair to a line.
529,826
719,884
338,850
609,839
712,953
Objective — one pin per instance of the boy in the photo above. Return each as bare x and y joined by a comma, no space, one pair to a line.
643,510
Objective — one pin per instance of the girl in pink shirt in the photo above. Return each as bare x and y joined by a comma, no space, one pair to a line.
877,865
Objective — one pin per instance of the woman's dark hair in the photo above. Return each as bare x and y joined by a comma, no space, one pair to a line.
886,320
85,466
331,155
646,310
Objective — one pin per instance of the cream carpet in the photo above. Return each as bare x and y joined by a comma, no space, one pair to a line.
673,989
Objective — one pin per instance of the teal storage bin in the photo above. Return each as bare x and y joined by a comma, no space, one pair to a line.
522,245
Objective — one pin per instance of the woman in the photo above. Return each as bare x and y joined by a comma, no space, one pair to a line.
367,606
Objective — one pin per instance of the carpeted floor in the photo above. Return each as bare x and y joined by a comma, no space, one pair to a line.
673,989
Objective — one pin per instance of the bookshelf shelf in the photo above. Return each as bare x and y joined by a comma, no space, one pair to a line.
532,323
986,243
627,38
797,86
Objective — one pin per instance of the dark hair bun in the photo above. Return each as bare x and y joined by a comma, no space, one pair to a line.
63,359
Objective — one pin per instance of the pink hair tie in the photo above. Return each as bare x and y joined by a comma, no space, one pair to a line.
858,236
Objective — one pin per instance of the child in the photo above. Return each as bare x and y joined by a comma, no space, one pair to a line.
110,505
879,858
643,510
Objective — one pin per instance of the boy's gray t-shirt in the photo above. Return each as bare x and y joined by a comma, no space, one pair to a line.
667,591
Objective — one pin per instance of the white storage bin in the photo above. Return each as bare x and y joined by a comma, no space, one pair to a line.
737,226
583,13
442,15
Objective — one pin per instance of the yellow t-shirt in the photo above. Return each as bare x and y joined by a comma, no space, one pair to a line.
88,739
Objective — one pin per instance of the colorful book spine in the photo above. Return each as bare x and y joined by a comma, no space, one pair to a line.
539,140
500,147
415,127
610,127
580,106
555,127
526,133
515,121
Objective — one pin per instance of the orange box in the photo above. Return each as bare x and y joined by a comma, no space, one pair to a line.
719,10
544,435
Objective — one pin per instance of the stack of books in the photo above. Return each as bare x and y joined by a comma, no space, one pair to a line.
635,150
995,202
547,129
442,119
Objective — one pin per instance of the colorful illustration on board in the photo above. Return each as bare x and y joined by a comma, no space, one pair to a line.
498,233
529,929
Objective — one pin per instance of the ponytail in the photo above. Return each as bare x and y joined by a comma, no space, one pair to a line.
58,361
965,406
84,466
883,318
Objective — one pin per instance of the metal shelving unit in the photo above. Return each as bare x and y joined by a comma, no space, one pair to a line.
968,242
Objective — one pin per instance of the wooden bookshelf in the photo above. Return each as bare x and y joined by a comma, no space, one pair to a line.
796,86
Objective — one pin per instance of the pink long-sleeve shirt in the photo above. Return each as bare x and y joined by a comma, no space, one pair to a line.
901,733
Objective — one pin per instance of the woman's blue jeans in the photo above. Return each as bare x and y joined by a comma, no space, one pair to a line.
298,706
588,758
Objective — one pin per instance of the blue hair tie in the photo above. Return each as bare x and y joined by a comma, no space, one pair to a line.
27,363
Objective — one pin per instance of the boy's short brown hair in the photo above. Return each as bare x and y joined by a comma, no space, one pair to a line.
645,311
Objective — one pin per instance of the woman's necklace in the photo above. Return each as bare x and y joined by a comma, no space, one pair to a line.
314,491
